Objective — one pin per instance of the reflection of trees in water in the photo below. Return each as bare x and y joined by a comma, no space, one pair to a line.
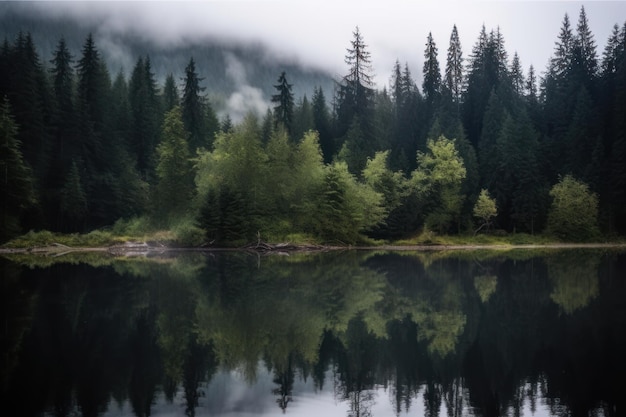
284,377
452,335
574,278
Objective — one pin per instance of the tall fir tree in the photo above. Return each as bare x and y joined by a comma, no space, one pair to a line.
302,119
171,97
355,92
65,145
322,123
454,66
431,85
516,74
174,188
16,178
283,103
194,109
146,121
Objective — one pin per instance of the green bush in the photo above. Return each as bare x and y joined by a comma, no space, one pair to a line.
573,215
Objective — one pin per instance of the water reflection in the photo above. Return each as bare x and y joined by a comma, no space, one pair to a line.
356,334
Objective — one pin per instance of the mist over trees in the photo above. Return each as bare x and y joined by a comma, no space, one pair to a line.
86,148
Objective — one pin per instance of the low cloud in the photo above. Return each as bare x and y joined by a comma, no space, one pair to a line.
245,98
317,33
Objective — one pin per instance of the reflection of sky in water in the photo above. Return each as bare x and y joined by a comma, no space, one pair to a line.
230,395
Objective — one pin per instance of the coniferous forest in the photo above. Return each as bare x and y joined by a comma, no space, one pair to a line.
483,145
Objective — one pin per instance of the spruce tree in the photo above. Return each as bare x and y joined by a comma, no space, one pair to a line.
431,85
194,108
65,144
146,121
355,93
171,97
322,123
283,103
454,66
302,119
174,188
516,75
16,178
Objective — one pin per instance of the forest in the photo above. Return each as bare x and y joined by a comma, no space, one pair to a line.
483,146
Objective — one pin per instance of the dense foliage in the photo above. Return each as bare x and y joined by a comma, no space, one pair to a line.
85,149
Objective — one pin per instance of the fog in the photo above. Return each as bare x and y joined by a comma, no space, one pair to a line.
317,33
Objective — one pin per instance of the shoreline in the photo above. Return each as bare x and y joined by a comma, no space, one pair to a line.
143,248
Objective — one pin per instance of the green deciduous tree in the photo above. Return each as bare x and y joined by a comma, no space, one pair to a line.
485,209
438,178
573,214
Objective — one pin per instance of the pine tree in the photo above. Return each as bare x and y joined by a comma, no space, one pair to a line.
283,103
516,75
145,116
193,108
16,178
65,144
585,50
432,75
488,72
302,119
31,103
321,123
355,93
454,66
74,206
174,188
561,64
171,98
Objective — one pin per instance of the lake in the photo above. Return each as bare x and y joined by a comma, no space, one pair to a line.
352,333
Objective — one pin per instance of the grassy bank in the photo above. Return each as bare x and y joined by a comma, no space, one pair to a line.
189,236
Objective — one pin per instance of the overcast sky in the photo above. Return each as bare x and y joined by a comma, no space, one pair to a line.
317,32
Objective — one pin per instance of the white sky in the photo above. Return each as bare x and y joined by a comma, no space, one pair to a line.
317,32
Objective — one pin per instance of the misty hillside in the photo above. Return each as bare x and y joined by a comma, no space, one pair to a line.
237,78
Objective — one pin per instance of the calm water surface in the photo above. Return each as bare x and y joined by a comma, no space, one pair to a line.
336,334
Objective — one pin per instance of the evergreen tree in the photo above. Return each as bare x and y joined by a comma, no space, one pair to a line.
585,54
31,103
16,178
432,75
454,66
92,81
146,123
355,93
321,123
518,188
174,189
283,100
65,145
516,75
302,119
227,124
267,126
487,68
171,97
74,206
97,150
561,63
193,109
